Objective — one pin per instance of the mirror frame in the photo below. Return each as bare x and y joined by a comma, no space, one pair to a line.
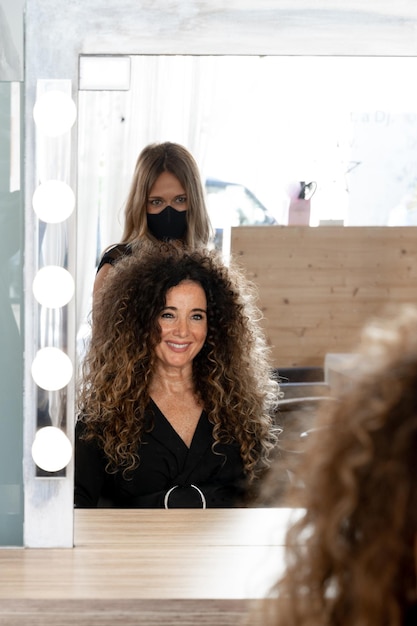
57,32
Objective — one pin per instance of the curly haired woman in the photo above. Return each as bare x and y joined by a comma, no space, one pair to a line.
177,398
351,560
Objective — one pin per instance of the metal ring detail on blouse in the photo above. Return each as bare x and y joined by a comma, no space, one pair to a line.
203,499
168,493
201,494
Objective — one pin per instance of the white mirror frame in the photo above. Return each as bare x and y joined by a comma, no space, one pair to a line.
58,31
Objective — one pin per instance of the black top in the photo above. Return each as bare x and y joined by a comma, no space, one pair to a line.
199,476
113,254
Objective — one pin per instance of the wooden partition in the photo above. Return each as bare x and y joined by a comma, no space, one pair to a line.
318,286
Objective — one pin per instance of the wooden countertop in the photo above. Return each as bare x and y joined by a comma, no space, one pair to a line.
127,563
188,527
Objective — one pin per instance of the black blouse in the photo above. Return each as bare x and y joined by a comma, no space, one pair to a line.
113,254
169,474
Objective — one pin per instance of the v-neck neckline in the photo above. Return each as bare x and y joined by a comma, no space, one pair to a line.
167,425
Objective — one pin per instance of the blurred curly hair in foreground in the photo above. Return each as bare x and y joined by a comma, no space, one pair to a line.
351,558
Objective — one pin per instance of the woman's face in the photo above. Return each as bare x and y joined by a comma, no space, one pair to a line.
183,323
167,191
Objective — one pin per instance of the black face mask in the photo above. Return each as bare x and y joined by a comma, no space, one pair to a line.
168,224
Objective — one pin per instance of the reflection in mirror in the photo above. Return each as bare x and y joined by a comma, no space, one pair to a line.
279,140
260,128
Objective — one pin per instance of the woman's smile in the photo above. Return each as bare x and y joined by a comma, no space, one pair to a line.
178,346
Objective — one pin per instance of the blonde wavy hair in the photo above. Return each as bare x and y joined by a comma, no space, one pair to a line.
350,559
151,163
232,375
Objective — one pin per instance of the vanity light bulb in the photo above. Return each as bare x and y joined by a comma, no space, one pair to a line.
53,286
54,113
51,369
51,449
53,201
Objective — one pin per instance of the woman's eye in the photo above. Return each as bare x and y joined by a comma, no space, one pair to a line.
167,315
155,202
181,199
197,316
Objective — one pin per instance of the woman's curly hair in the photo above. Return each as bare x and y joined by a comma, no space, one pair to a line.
350,559
232,375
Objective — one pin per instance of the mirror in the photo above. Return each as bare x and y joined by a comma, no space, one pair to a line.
259,128
136,27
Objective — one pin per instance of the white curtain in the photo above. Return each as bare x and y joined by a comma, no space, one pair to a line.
169,100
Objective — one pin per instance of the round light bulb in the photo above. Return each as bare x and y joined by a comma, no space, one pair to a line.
53,286
51,450
54,113
53,201
51,369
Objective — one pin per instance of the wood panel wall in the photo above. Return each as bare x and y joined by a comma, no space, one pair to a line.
318,286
